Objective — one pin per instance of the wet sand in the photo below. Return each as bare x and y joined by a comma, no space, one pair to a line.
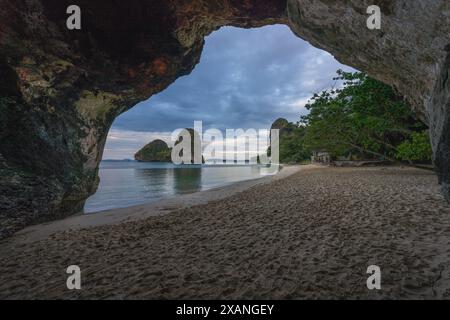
311,234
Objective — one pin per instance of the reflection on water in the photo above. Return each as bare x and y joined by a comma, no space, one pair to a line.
187,180
128,183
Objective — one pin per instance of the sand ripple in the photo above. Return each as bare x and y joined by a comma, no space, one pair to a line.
311,235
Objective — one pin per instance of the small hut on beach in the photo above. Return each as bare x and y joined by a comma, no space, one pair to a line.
321,157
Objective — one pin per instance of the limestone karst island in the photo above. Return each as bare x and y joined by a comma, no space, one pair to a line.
222,150
155,151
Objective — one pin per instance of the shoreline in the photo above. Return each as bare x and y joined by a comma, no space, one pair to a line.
151,209
309,235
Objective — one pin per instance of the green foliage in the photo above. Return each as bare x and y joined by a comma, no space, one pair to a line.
417,148
292,148
364,117
156,151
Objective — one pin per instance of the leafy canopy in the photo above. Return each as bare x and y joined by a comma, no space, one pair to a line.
365,117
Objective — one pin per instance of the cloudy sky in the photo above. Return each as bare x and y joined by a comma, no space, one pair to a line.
246,79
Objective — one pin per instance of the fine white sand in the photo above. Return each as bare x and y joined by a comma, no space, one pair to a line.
310,234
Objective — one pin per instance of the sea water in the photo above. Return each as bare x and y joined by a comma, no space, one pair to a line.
128,183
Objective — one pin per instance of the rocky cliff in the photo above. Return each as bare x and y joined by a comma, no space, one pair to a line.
60,90
283,125
155,151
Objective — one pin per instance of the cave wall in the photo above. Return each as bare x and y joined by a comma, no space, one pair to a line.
411,52
61,90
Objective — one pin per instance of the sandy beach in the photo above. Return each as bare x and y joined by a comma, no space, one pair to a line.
309,233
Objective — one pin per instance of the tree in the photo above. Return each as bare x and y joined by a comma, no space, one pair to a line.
155,151
365,117
292,147
417,148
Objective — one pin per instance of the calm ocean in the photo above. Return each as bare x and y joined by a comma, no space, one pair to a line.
128,183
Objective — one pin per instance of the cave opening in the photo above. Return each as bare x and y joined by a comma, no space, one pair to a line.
66,87
246,78
62,89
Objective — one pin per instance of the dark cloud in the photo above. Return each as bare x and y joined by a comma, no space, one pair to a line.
247,78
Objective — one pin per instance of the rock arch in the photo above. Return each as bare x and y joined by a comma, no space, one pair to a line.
60,90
